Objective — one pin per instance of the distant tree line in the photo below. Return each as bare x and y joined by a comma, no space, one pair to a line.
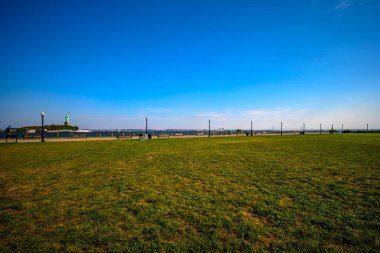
51,127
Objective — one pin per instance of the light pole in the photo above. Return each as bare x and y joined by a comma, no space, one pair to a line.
146,125
42,127
209,128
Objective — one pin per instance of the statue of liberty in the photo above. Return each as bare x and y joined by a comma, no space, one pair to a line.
67,119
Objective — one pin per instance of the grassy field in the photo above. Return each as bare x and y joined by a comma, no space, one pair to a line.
273,193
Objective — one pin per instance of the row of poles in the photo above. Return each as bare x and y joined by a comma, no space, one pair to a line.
209,127
251,132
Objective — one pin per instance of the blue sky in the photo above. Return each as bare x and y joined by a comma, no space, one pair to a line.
180,63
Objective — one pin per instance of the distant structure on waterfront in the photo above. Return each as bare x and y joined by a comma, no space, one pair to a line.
67,119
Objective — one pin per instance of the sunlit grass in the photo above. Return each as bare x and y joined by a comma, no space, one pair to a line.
303,193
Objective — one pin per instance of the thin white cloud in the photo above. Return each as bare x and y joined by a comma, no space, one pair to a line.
140,115
213,116
343,5
262,118
149,111
105,118
256,113
155,109
314,2
280,112
292,117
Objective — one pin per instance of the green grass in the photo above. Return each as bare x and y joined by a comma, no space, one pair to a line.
278,193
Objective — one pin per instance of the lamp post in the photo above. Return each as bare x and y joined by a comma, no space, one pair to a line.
42,127
146,125
209,129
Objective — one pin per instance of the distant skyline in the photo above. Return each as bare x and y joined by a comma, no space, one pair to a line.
180,63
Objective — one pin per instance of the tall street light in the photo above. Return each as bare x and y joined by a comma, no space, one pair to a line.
146,125
42,127
209,128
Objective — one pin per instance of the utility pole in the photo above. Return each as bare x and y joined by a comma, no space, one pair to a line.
251,128
146,125
367,127
209,128
342,128
281,127
304,128
320,128
42,127
332,128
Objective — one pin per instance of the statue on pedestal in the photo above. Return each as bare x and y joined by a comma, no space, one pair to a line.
67,119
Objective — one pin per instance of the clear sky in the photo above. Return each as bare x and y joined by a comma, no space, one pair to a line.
180,63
